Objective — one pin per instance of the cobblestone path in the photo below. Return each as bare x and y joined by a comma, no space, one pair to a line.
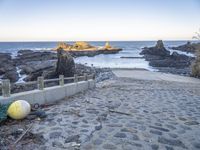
125,114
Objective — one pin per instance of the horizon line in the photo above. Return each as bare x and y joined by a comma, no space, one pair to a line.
95,40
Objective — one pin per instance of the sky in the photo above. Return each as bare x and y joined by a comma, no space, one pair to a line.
98,20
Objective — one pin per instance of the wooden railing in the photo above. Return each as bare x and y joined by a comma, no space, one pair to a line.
5,85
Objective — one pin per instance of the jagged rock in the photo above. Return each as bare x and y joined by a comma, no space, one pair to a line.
7,67
65,64
160,58
188,47
158,50
28,56
11,75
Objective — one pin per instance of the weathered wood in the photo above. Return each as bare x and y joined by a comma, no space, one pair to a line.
6,88
85,76
41,83
93,76
61,80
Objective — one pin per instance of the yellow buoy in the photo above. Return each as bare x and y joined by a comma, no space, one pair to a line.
19,109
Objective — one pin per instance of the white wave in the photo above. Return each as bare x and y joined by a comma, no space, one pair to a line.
181,52
21,77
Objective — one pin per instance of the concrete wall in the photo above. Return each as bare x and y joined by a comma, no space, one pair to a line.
51,94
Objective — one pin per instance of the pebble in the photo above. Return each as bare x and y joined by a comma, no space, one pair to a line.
120,135
172,142
109,146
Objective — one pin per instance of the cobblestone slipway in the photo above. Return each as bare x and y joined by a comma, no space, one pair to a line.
125,114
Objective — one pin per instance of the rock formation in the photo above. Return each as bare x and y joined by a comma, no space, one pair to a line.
65,64
85,49
160,58
188,47
158,50
8,67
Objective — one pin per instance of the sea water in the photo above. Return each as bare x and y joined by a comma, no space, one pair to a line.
130,49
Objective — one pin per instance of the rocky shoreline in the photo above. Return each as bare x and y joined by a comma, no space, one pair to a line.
28,64
32,64
160,58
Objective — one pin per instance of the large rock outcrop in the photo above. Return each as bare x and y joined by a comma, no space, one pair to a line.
161,59
158,50
188,47
85,49
65,64
8,67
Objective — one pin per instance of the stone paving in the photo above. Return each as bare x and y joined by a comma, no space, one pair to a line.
125,114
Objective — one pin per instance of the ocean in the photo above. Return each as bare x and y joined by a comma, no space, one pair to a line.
130,49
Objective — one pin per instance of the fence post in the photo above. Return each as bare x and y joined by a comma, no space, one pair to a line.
6,88
85,76
93,76
61,80
75,78
40,83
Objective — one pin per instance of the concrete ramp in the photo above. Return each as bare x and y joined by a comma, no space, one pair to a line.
149,75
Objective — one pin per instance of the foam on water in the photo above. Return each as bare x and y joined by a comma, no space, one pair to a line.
21,77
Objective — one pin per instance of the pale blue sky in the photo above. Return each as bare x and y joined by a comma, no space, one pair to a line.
93,20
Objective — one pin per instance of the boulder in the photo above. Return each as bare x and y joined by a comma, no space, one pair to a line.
8,68
65,64
158,50
12,75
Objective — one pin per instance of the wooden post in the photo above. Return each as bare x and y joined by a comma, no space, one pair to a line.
61,80
75,78
93,76
85,76
6,88
40,83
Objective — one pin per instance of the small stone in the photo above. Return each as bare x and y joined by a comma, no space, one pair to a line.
154,147
84,130
191,123
171,127
158,124
99,127
182,119
97,142
120,135
57,144
84,121
128,130
169,148
73,138
156,132
109,146
115,125
135,137
55,135
173,135
171,142
196,145
159,128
